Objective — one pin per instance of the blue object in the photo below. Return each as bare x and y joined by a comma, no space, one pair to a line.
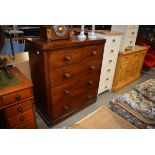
18,47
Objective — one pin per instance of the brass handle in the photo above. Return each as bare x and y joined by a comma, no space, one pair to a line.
19,109
67,58
22,118
66,108
66,91
110,60
107,78
88,96
92,67
113,40
93,53
67,75
108,70
90,82
112,51
17,97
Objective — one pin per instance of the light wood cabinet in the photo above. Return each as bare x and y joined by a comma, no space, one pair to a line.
128,68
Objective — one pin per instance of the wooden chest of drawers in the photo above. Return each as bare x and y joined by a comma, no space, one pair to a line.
16,104
65,75
129,66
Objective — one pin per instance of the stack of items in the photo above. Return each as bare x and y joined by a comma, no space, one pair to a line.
138,105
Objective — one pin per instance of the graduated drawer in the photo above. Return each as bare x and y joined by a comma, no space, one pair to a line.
67,91
113,41
111,52
126,58
130,43
69,73
65,57
132,32
20,118
67,106
28,125
18,108
92,52
17,96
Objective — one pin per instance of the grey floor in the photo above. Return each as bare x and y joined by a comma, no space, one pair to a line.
103,99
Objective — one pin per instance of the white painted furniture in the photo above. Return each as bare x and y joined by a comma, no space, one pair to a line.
129,37
110,55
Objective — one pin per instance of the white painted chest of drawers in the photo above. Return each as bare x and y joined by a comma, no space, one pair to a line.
129,36
110,55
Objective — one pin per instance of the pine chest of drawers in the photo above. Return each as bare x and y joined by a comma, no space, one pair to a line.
65,75
16,104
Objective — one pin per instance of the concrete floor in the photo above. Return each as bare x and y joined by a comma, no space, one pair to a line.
103,99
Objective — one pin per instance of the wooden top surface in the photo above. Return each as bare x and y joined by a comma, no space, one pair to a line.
107,32
136,49
58,44
103,118
24,82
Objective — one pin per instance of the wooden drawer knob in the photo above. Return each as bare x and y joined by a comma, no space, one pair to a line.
93,53
107,79
113,40
108,70
133,33
105,86
66,91
67,58
90,82
66,108
131,42
21,118
110,60
17,97
112,51
88,96
19,109
67,75
92,67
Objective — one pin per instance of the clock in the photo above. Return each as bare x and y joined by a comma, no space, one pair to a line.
55,32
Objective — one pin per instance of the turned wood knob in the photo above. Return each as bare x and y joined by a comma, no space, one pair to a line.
132,33
19,109
67,58
93,53
112,51
66,91
110,60
131,42
67,75
107,78
90,82
108,70
88,96
22,118
66,108
113,40
17,97
92,67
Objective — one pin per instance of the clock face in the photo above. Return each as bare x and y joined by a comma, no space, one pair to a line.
60,30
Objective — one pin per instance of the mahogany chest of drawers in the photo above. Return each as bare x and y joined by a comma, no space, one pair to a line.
16,104
65,75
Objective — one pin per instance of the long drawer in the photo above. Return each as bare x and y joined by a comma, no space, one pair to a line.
67,91
69,73
67,106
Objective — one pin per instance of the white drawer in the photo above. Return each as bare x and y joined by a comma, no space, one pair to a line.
113,41
130,43
132,32
111,52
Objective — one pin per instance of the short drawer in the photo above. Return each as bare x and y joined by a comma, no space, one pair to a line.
65,57
73,88
28,125
113,41
92,52
132,32
20,118
67,106
17,96
130,43
18,108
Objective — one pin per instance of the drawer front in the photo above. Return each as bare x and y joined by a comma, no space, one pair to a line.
20,118
74,88
17,96
126,58
18,108
63,58
130,43
113,41
28,125
76,102
132,32
69,73
92,52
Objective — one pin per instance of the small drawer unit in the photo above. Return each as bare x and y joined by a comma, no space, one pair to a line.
109,61
18,104
129,36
